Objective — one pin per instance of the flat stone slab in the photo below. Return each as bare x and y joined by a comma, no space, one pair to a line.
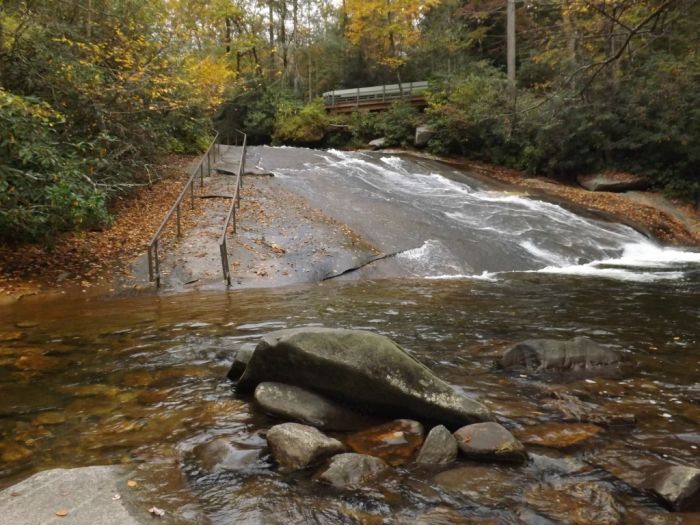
84,494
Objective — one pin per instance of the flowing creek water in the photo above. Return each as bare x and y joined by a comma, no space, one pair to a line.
141,380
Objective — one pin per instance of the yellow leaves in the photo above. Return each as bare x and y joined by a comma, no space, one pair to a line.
208,77
384,28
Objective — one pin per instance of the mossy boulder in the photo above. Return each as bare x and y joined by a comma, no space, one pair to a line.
361,368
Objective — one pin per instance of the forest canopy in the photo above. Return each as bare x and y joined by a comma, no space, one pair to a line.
93,91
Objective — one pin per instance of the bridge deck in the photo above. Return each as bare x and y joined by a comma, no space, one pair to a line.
374,105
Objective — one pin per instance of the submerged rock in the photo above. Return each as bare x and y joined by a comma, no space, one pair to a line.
489,441
440,516
361,368
304,406
575,503
558,435
220,455
440,447
483,485
351,470
679,486
395,442
579,353
296,446
613,181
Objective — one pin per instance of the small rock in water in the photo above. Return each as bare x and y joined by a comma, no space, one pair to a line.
11,336
351,470
220,455
483,485
11,452
557,465
305,406
395,442
679,486
575,503
558,435
579,353
240,362
49,418
489,441
440,516
295,446
37,362
440,447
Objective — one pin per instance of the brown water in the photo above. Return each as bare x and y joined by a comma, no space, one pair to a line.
140,380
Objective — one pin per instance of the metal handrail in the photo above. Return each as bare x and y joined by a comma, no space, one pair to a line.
231,215
210,156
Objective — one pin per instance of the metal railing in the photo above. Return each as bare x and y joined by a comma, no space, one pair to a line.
205,163
231,215
374,93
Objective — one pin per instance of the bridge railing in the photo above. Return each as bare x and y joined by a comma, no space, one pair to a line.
204,164
374,93
231,215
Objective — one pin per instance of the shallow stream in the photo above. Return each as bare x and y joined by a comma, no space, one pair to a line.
141,380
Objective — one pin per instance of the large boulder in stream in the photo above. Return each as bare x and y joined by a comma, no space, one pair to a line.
361,368
579,353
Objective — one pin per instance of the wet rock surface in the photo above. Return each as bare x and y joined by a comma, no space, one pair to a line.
423,135
558,435
575,503
489,441
351,470
361,368
305,406
240,362
470,482
220,454
439,448
395,442
296,446
579,353
678,486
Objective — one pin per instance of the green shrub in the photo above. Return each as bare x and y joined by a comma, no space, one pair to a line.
43,188
297,124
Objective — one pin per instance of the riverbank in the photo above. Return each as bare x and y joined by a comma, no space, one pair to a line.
83,261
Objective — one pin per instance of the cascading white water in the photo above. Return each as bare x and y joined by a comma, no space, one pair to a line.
448,225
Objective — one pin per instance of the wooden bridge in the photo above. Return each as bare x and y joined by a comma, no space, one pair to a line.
375,98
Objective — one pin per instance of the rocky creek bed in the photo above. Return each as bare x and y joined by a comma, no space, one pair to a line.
141,382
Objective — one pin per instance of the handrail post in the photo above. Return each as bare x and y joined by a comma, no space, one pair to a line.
150,264
191,196
201,175
179,227
157,263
